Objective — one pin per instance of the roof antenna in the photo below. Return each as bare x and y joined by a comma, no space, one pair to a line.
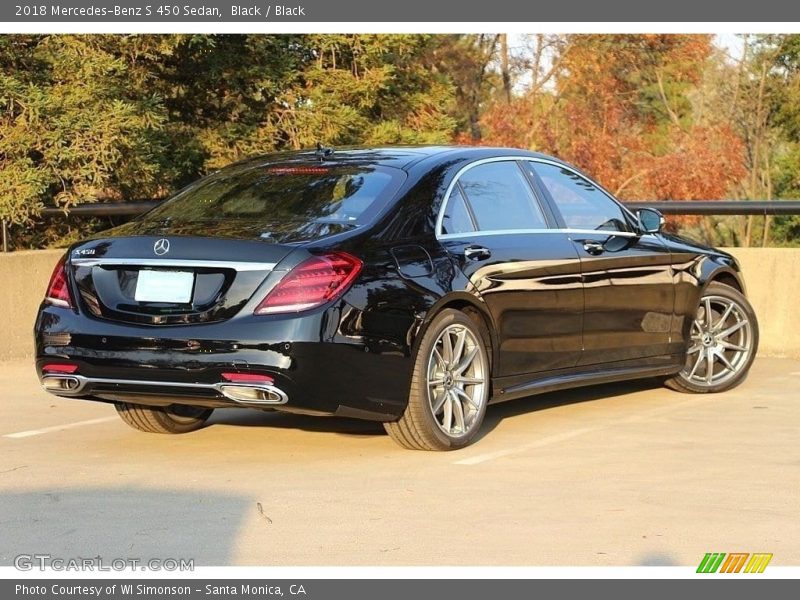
322,152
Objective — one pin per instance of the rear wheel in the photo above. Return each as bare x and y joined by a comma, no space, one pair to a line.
724,340
449,387
177,418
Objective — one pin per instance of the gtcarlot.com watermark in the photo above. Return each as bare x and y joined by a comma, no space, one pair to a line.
47,562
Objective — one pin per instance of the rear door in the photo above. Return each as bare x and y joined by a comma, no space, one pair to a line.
628,285
527,272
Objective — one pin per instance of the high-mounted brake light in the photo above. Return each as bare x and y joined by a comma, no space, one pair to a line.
312,283
58,288
298,170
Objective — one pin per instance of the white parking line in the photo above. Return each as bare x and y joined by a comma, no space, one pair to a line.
551,439
32,432
560,437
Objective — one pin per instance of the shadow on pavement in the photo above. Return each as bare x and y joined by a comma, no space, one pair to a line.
495,413
657,559
530,404
130,522
277,420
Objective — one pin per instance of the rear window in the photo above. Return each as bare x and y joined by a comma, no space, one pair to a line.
285,198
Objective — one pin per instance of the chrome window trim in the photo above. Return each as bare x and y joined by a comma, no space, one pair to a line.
173,263
440,217
609,232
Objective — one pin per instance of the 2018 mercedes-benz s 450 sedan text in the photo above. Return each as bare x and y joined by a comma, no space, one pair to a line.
412,286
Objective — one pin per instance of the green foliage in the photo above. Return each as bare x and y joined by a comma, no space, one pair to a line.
70,132
372,89
84,118
122,117
783,55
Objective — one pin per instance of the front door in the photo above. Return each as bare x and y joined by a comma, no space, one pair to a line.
629,293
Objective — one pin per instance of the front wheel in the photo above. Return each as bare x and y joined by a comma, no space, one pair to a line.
177,418
724,340
449,387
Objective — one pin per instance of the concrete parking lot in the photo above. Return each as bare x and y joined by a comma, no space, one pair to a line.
626,474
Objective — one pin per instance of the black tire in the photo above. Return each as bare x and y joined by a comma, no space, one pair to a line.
177,418
418,428
684,383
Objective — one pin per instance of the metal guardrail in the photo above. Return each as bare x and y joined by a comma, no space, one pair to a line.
694,207
722,207
103,209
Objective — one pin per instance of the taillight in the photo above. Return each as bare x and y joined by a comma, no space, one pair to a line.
58,289
312,283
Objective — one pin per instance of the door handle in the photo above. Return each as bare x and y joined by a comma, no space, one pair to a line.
477,253
593,248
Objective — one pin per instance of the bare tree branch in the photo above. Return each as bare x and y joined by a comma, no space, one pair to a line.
663,94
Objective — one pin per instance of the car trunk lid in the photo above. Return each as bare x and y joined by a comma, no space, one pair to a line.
170,280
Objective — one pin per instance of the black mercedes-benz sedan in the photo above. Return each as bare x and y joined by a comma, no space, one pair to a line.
411,286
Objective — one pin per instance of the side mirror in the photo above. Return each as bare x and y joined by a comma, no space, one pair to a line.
650,220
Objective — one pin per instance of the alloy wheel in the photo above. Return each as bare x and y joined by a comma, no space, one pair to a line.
456,380
721,342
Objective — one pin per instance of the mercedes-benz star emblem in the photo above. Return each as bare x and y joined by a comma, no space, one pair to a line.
161,246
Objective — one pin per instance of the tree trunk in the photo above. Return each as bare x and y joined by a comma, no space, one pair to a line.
748,232
767,218
505,69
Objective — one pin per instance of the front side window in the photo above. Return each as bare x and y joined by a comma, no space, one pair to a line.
581,203
498,197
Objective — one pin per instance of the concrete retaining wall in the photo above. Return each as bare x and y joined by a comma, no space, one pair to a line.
772,276
23,281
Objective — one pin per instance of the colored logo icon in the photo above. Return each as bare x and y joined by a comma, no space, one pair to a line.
735,562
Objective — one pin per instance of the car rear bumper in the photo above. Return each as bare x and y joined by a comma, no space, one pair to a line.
317,364
171,392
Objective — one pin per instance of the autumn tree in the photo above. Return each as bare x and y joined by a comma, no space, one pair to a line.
652,117
619,107
467,62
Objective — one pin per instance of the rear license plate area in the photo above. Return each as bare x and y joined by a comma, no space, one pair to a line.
172,287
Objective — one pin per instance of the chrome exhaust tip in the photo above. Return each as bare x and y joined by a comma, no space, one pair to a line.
61,383
253,393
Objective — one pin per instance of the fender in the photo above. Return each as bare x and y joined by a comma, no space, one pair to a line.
723,272
459,300
695,264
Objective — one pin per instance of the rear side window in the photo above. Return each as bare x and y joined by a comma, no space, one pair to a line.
457,218
581,203
285,196
500,197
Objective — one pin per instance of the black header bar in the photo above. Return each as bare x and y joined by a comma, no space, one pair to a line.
419,11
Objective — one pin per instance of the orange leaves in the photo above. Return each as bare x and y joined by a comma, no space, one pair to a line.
701,166
620,109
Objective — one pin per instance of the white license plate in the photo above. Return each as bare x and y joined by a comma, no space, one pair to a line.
164,286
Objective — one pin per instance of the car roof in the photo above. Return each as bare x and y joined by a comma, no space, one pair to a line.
400,157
